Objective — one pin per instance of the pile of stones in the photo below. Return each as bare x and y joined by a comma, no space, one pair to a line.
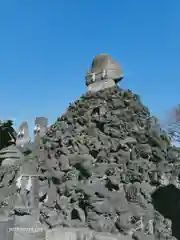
103,161
105,164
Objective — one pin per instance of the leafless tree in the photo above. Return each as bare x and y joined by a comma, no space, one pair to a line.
173,123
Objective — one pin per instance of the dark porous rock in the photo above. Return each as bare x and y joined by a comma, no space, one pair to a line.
106,165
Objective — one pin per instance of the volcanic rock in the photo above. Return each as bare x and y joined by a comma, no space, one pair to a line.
104,166
109,162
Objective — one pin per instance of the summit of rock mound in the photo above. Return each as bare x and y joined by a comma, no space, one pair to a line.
105,72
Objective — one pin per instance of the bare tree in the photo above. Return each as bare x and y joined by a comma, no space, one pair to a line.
173,124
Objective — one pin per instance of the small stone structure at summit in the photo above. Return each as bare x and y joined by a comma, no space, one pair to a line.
105,72
103,170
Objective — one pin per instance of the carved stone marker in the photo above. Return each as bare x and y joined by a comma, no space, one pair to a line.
40,127
28,197
105,72
23,135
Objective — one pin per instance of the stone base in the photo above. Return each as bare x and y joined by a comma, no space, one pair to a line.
5,229
97,86
81,234
28,228
29,234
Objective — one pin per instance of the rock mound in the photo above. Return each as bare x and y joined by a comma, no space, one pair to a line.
102,162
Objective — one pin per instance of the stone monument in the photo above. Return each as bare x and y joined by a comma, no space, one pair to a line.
105,72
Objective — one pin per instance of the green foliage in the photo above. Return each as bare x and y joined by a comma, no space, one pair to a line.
7,133
5,125
6,122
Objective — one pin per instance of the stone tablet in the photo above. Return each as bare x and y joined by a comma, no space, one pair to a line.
105,72
40,126
23,135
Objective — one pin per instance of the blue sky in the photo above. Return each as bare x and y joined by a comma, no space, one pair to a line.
47,46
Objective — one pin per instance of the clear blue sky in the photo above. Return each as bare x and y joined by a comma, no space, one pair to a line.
47,46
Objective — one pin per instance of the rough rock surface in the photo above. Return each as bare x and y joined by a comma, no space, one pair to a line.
106,166
105,159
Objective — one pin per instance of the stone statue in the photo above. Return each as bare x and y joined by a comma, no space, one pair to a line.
40,126
23,135
105,72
